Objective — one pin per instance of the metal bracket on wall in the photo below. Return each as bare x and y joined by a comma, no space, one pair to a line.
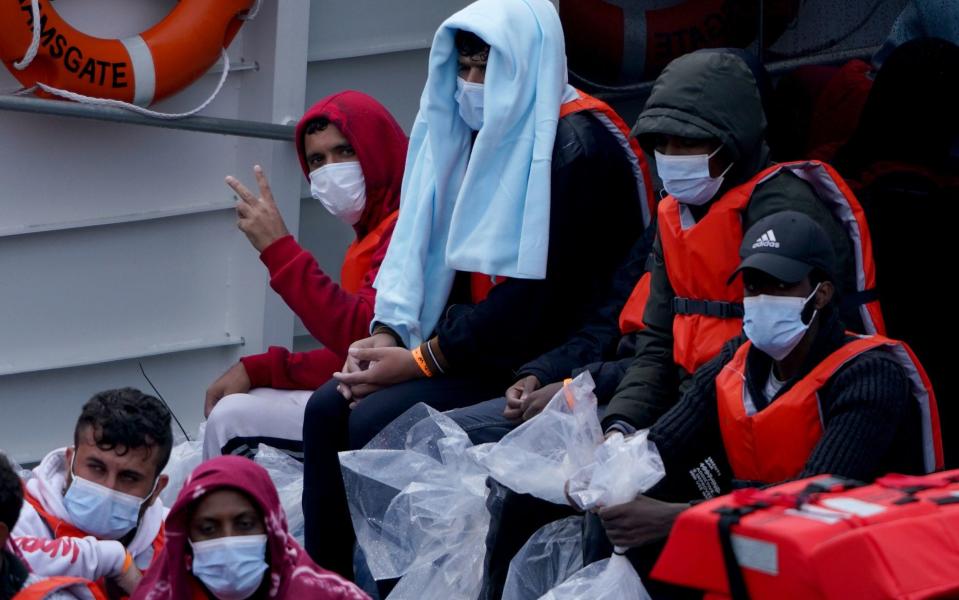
117,354
611,92
235,127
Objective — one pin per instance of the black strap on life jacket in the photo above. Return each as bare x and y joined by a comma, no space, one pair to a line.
731,515
734,310
853,300
709,308
910,491
945,500
825,485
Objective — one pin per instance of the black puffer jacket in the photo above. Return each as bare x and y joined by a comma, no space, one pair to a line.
599,346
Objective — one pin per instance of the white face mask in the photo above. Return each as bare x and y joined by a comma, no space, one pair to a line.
687,178
101,511
470,98
231,568
774,323
341,189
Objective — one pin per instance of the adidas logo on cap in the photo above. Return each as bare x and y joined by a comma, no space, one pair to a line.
767,240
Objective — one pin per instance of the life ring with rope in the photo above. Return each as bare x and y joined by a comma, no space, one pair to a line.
141,69
619,42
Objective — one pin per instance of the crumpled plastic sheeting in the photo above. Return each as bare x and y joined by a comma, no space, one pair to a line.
184,457
547,559
417,500
287,475
624,468
285,471
565,444
453,576
539,456
610,579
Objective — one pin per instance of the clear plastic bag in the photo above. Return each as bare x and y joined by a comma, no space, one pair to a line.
184,457
287,475
454,575
610,579
539,456
547,559
625,467
417,498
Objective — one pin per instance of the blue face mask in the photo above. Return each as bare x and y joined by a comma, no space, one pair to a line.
687,178
99,510
469,96
774,323
231,568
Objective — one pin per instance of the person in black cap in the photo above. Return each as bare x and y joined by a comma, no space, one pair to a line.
795,396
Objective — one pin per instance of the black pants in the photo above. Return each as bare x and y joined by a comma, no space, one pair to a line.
329,426
515,517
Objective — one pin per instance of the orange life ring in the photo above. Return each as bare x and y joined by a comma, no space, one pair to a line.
140,69
615,42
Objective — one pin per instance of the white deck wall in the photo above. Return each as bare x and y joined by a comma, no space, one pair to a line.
118,242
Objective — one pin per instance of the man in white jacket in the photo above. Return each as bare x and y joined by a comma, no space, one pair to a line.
93,510
16,580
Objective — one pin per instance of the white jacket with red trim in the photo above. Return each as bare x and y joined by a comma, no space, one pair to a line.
87,557
70,593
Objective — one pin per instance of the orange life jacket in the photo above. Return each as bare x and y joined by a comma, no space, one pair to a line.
59,528
699,257
481,284
359,256
774,443
821,538
43,589
618,128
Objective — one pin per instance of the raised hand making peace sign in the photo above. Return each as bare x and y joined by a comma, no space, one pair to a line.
258,218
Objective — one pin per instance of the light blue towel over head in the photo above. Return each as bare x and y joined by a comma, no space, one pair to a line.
485,209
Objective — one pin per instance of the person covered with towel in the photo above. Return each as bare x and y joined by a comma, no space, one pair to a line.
517,206
228,539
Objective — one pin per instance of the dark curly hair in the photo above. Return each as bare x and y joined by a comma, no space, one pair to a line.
127,419
11,494
316,125
469,44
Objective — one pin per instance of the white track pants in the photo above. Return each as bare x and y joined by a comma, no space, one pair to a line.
241,422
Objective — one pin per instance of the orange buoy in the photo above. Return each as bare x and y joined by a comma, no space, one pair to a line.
627,41
140,69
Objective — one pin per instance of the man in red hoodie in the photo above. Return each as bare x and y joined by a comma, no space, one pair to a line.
353,152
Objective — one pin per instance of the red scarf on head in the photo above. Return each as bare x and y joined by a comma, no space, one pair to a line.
380,146
292,575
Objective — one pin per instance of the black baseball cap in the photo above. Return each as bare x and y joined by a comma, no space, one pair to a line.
787,245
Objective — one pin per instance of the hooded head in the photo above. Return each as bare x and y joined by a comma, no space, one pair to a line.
378,141
709,96
291,573
477,203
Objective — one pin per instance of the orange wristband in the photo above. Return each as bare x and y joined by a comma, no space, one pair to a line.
127,563
421,362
